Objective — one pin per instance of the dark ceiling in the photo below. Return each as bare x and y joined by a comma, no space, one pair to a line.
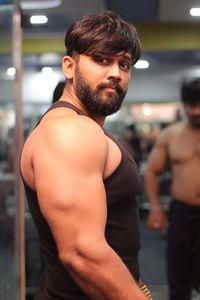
133,10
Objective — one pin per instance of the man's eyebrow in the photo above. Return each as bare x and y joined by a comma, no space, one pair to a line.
127,56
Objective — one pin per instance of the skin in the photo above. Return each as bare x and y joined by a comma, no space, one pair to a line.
65,159
180,143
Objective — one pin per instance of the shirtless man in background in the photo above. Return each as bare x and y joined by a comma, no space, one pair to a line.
80,182
180,145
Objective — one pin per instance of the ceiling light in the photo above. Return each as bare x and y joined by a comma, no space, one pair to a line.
142,64
38,19
195,11
146,110
40,4
47,70
11,71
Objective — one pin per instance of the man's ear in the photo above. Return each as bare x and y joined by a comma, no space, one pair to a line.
68,66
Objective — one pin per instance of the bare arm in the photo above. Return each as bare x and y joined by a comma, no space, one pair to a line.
69,171
155,166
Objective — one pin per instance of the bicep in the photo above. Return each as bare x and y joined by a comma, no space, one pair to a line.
74,207
70,190
158,158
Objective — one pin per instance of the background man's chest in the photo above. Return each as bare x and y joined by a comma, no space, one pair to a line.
184,147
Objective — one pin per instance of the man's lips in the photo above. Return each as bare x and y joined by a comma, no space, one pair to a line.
112,86
111,89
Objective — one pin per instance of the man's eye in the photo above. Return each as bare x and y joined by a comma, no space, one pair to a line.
125,65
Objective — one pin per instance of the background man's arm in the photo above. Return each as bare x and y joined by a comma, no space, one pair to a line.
155,166
69,179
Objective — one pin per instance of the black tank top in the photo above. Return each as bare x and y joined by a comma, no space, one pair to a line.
122,228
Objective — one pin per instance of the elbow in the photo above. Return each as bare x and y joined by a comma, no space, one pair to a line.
151,173
83,256
148,175
71,254
69,259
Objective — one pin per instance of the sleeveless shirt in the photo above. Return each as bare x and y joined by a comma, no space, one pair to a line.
121,232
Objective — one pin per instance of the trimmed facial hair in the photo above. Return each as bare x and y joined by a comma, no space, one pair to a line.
195,121
94,101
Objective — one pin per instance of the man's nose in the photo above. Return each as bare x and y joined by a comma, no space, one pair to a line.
114,72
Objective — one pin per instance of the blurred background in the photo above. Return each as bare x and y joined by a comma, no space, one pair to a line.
31,50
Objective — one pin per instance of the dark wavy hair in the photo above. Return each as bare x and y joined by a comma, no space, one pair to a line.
103,34
190,91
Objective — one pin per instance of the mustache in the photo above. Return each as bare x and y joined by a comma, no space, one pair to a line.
113,85
195,117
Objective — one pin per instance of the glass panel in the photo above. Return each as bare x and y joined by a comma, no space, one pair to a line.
9,259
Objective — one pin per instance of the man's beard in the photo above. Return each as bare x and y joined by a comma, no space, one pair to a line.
97,104
195,121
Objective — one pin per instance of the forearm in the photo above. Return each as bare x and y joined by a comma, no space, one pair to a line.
103,276
157,218
152,186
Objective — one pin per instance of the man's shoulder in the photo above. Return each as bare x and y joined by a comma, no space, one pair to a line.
172,128
68,124
168,133
78,125
73,132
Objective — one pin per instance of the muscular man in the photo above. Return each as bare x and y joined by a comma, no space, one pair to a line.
180,144
80,182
